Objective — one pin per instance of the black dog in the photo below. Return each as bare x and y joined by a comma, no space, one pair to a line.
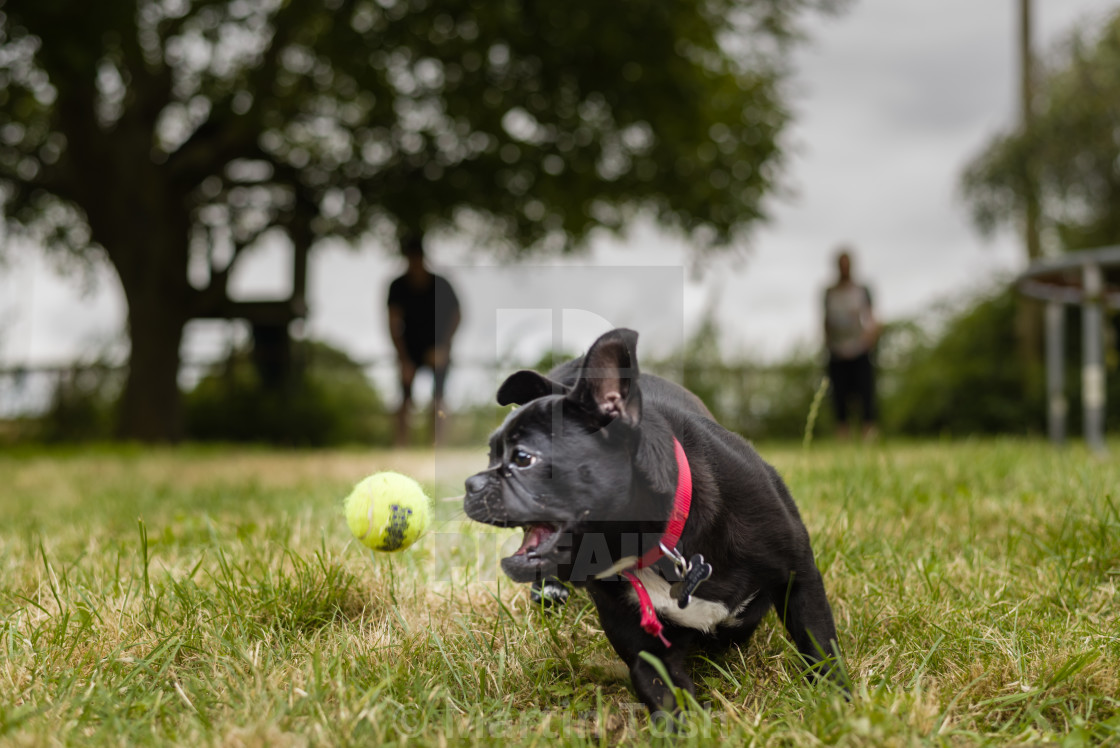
596,466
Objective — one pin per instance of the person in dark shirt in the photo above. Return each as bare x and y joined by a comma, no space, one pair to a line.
423,317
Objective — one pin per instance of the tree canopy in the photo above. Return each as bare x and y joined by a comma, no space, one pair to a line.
173,135
1071,152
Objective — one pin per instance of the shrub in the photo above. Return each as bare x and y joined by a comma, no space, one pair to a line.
969,379
754,399
326,401
83,405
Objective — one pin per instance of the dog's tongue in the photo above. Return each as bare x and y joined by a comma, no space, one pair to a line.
534,536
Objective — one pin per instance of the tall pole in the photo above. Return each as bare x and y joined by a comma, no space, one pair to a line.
1026,70
1028,316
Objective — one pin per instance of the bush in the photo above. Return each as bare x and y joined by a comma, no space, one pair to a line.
327,401
754,399
83,405
969,378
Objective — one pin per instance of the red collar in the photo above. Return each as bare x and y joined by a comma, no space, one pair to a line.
681,504
668,545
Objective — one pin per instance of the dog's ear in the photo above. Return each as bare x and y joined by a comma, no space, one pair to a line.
608,378
524,386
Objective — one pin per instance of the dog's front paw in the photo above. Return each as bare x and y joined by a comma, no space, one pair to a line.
549,594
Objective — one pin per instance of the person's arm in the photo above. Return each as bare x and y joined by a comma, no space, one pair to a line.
824,320
396,329
443,347
396,334
456,316
871,327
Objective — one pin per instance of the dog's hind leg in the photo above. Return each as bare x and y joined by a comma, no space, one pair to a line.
804,609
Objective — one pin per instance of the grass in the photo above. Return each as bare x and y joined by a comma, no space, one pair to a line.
214,597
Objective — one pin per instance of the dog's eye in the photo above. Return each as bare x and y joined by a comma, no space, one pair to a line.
522,459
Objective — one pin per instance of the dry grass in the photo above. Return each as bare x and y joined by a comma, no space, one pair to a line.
214,597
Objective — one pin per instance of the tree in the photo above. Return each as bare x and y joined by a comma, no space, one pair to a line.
1071,148
1062,168
174,135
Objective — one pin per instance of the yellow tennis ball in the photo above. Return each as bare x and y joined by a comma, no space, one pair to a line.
388,511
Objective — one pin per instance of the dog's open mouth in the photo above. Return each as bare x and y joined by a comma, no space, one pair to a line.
539,539
535,556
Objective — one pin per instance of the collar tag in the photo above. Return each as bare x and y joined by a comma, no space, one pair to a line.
696,572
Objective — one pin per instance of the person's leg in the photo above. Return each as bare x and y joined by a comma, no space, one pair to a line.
838,376
866,388
407,376
439,381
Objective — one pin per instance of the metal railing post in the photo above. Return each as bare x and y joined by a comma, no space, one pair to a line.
1057,406
1092,353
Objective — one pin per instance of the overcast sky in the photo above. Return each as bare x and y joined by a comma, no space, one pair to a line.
892,98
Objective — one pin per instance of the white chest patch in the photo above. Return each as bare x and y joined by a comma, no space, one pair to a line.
702,615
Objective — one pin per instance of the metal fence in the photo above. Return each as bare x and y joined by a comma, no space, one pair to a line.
27,391
753,399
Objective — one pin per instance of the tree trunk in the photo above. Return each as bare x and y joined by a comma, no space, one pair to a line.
151,407
151,261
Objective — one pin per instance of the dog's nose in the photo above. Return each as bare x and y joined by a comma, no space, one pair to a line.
476,483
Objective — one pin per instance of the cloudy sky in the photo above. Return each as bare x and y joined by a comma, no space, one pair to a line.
892,99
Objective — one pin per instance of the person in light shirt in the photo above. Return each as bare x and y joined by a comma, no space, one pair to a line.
850,333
